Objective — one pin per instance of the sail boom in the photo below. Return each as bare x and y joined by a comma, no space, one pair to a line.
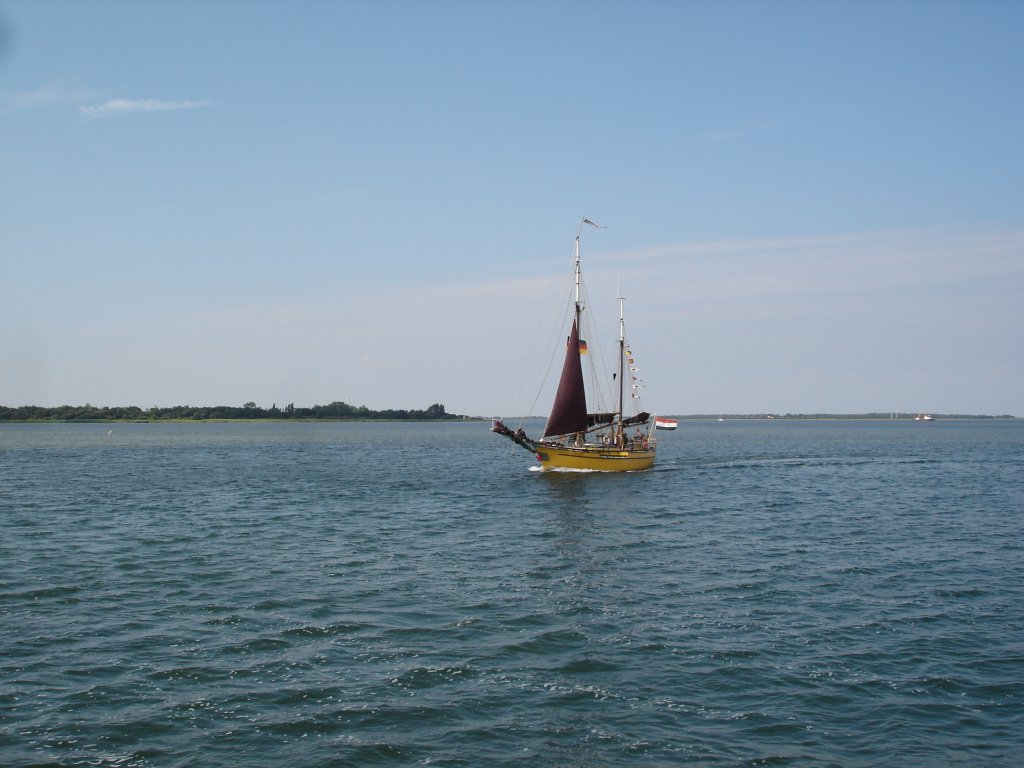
640,418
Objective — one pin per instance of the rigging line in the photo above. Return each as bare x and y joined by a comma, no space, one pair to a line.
596,362
601,366
552,357
550,332
555,348
550,293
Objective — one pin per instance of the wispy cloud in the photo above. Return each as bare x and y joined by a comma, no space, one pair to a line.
114,107
50,95
58,95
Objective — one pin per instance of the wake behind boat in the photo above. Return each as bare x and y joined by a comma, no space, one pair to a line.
576,438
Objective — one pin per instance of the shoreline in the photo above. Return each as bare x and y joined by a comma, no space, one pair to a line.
240,421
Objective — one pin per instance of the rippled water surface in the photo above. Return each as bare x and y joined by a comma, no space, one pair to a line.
772,593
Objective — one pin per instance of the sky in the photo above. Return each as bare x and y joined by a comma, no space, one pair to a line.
810,207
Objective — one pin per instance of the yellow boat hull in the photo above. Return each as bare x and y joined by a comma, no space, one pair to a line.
594,459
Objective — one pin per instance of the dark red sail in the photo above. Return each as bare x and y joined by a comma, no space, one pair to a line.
569,413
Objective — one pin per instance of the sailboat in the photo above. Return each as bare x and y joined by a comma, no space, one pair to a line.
576,438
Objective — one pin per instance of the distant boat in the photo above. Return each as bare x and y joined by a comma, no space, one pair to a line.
576,438
663,423
924,417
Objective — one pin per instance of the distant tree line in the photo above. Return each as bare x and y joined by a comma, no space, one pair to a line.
336,411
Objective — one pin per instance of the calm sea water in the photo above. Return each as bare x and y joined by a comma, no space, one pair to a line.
773,593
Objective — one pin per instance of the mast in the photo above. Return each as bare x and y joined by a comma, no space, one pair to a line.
622,359
576,253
